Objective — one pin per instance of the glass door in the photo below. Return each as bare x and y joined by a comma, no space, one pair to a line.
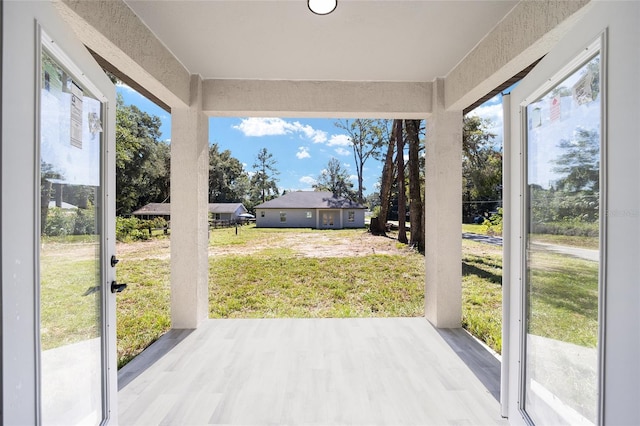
562,268
74,298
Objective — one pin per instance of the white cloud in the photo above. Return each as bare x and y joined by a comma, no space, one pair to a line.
339,140
354,178
257,127
254,126
123,86
303,152
307,180
342,151
317,136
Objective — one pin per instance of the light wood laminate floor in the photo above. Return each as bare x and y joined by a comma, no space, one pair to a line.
386,371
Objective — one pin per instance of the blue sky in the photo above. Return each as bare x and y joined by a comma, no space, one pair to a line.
302,147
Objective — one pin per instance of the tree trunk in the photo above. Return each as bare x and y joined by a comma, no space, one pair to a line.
415,195
402,202
386,184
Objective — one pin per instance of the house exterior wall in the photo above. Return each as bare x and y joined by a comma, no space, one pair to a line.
296,218
358,218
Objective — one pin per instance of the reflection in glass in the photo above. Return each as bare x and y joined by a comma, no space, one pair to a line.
562,251
70,266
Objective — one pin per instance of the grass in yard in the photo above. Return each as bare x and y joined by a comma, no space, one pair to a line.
563,298
249,234
70,312
143,308
474,229
272,285
567,240
482,292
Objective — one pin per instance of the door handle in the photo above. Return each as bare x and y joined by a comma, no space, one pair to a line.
117,288
114,261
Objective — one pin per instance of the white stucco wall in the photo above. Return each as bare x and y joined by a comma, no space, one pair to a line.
296,218
358,221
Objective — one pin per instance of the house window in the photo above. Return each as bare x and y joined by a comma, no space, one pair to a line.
309,215
262,213
283,216
351,216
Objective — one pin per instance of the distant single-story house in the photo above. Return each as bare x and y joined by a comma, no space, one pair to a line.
227,211
153,210
310,209
218,211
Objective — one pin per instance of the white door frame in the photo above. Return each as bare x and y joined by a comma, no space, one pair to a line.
620,329
20,204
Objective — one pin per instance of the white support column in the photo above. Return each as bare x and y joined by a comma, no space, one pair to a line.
189,212
443,213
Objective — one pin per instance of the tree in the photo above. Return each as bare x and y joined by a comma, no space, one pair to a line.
402,202
580,162
228,182
481,167
386,180
415,188
335,179
366,138
142,161
264,182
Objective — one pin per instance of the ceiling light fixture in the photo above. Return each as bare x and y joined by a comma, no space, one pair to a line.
322,7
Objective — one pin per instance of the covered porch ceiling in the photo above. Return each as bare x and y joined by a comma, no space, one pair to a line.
275,58
392,41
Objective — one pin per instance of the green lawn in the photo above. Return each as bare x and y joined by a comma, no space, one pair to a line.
482,292
278,282
276,285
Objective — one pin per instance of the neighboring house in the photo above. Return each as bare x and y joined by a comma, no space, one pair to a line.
310,209
227,211
218,211
153,210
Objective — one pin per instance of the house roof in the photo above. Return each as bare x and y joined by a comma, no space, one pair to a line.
154,209
309,200
164,209
226,207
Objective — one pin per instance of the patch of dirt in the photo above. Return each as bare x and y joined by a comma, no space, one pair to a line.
321,244
304,244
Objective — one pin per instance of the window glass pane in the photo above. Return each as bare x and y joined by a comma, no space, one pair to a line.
562,251
70,250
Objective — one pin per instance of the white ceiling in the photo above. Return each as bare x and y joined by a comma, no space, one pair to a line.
384,40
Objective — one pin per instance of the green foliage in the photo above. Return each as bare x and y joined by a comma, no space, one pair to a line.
481,167
228,182
367,138
61,222
142,161
335,179
263,182
134,229
580,162
494,223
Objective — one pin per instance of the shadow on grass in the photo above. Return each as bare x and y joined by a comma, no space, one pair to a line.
469,269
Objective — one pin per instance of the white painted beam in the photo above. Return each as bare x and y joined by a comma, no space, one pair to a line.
113,31
525,35
443,211
316,99
189,212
